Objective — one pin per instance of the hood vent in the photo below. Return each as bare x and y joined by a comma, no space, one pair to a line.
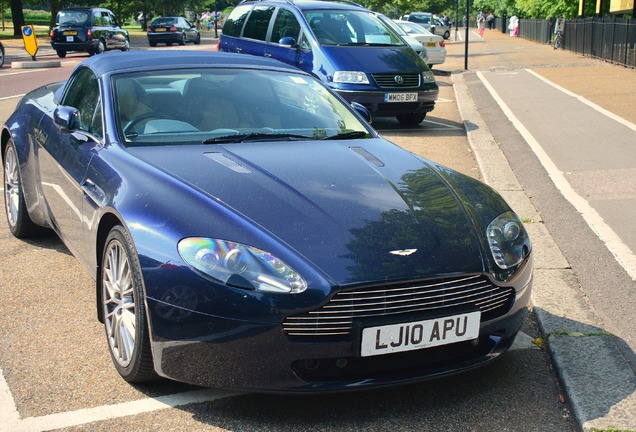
222,159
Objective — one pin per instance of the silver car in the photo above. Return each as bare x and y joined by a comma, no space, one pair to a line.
430,22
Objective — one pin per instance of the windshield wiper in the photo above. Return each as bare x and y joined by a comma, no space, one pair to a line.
255,136
348,135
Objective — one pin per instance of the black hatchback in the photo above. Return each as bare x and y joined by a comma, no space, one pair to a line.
171,30
91,30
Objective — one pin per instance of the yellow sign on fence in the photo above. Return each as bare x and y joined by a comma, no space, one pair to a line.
621,6
30,43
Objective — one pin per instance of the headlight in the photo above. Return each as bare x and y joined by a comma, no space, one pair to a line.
508,240
240,265
428,77
350,77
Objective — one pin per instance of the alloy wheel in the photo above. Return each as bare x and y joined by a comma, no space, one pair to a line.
11,186
118,299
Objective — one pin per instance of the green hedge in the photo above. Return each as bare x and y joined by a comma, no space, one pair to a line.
36,17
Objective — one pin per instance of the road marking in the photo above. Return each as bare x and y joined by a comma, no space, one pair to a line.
10,419
9,416
587,102
622,253
11,97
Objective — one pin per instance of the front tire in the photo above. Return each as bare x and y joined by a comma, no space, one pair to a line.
124,308
20,224
411,119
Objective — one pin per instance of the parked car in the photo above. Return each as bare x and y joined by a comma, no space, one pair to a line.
246,228
1,54
91,30
430,22
416,45
171,30
347,46
434,44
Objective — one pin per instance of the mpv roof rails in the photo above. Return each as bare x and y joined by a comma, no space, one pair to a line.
291,2
332,1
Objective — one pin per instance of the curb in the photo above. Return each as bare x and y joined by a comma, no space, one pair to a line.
599,383
35,64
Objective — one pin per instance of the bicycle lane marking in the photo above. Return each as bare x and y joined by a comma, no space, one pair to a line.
621,252
587,102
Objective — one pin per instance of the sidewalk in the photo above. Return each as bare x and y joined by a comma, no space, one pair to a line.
599,382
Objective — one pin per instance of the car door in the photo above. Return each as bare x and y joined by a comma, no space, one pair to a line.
112,30
64,157
286,25
190,31
254,38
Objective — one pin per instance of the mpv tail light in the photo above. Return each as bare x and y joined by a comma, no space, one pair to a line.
89,34
442,43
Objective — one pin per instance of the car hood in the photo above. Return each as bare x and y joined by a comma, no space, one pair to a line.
360,210
372,59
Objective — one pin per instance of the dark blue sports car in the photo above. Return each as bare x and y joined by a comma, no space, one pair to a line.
246,228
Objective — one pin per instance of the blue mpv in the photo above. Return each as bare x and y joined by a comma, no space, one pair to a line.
345,45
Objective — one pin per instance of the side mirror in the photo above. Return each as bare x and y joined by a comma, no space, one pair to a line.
361,109
67,118
288,42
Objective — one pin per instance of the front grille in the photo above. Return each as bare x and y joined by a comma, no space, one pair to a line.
388,81
335,320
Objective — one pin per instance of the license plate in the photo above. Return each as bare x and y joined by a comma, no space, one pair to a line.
400,97
430,44
70,38
161,30
419,334
70,33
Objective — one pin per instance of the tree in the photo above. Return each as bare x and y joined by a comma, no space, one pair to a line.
17,17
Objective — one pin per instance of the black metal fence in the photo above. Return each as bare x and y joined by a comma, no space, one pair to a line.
612,39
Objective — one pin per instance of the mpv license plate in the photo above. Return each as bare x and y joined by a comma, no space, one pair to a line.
400,97
419,334
70,33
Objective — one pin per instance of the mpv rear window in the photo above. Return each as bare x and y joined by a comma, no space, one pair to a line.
234,22
258,23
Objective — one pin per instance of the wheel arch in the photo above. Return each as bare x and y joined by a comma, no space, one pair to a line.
106,223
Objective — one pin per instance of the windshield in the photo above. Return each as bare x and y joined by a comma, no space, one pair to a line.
228,105
412,28
72,18
350,27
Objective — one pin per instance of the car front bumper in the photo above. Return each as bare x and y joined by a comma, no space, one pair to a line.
225,353
378,107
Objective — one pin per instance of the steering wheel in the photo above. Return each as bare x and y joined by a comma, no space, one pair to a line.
130,126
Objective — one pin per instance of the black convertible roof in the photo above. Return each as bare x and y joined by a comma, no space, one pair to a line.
169,59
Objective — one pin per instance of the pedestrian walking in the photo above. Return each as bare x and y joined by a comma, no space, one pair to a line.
490,19
481,24
514,26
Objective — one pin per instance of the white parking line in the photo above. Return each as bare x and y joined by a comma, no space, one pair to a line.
10,419
622,253
11,97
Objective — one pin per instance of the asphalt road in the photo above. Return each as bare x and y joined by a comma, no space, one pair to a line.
57,373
